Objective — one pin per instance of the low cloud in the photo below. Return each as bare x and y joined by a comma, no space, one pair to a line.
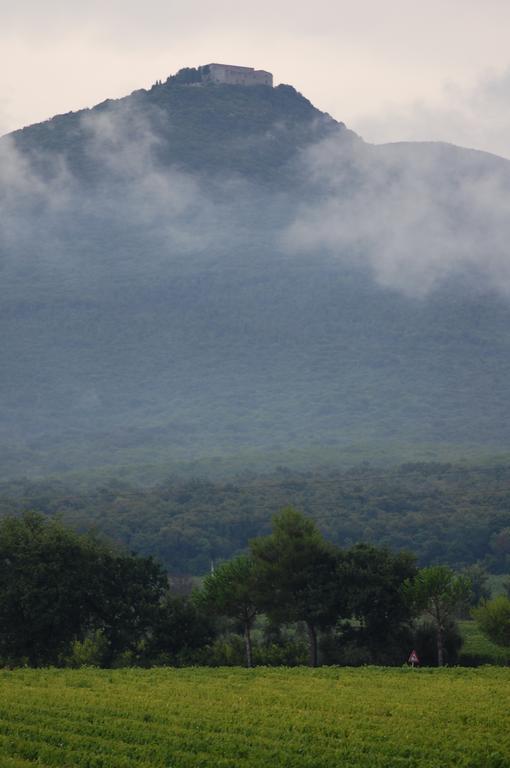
416,215
112,212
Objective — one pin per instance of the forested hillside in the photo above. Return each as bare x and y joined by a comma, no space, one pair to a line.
210,271
442,513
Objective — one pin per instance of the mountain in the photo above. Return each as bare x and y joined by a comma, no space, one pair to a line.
226,130
202,270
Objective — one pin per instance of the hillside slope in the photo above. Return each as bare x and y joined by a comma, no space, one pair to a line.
197,271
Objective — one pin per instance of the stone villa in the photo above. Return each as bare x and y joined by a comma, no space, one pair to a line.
229,74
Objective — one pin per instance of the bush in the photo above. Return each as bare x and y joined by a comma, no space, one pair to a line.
352,646
90,652
493,618
425,643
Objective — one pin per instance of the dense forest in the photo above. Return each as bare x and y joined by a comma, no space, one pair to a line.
71,599
198,272
442,513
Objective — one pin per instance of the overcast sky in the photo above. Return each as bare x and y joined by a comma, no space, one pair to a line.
394,70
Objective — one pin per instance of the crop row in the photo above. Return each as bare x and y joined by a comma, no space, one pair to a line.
297,718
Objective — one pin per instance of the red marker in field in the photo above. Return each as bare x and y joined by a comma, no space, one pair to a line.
413,658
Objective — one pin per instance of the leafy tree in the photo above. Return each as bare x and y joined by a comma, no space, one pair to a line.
230,591
442,513
493,618
478,579
180,628
374,579
297,575
438,592
126,600
47,577
89,652
58,586
187,75
424,641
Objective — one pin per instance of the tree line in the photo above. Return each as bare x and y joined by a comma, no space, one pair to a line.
73,599
450,514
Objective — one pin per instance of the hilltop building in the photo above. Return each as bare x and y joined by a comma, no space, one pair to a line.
230,74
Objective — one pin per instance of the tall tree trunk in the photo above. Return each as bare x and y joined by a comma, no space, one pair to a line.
312,645
248,646
440,646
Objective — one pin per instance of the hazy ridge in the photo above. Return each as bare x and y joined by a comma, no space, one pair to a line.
213,271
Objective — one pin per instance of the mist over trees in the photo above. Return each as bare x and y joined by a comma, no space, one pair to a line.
199,276
197,271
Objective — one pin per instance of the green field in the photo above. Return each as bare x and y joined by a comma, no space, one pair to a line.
370,717
477,649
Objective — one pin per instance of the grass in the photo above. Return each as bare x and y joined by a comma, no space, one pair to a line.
167,718
478,649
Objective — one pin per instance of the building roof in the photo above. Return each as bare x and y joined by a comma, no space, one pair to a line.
233,66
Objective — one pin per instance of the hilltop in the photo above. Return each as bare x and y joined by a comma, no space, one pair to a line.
221,129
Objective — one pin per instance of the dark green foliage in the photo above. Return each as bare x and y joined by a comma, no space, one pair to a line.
424,641
228,129
157,316
477,649
351,602
232,591
493,618
125,605
179,630
374,579
479,589
47,586
439,593
348,645
442,513
57,587
72,600
282,645
186,76
296,572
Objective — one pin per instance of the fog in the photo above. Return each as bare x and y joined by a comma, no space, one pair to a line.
417,214
168,295
114,213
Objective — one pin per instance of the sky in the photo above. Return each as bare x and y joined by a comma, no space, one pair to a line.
394,70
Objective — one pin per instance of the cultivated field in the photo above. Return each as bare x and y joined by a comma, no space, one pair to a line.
478,649
268,718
